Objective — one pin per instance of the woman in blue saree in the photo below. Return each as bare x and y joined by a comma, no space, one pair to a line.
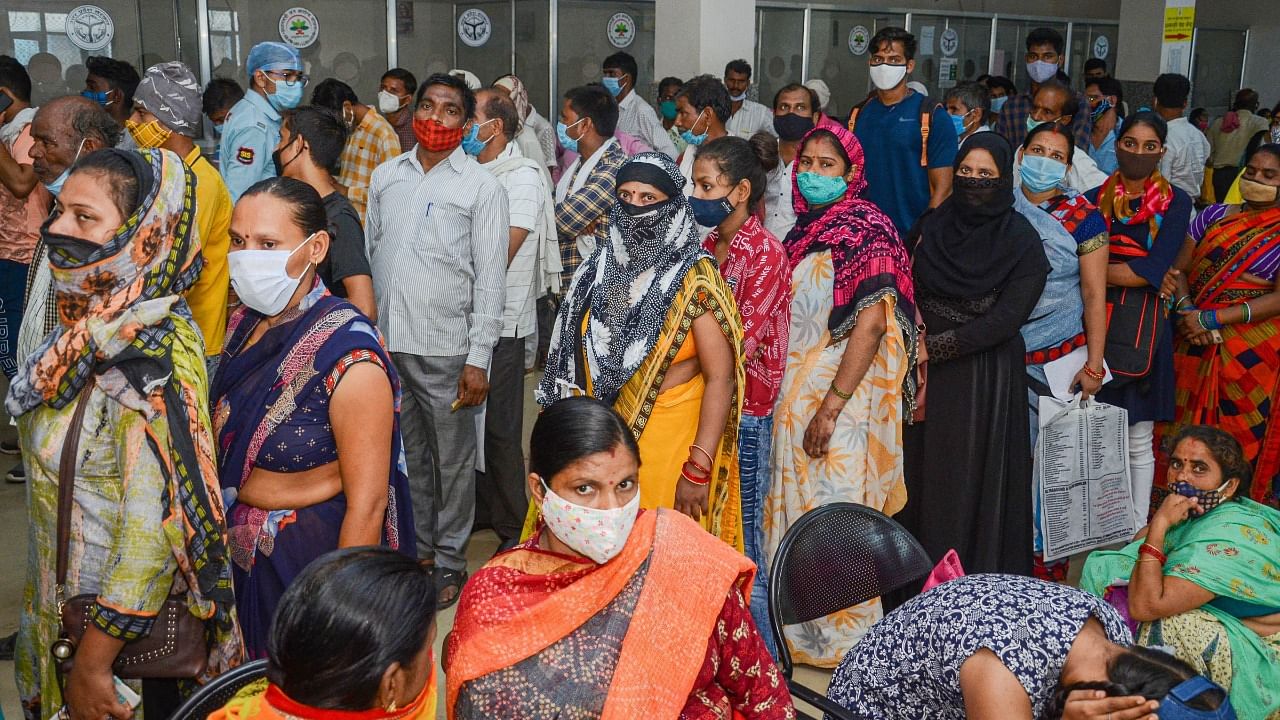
306,410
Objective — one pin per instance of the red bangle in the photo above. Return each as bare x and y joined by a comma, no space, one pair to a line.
684,473
700,468
1155,552
1095,374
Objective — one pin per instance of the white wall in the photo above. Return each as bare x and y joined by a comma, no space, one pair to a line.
700,36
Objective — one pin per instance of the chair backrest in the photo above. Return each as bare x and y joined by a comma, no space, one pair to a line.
837,556
219,691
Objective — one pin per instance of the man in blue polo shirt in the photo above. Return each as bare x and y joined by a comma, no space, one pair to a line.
904,177
252,128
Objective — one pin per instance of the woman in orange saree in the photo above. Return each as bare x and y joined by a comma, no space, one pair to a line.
595,615
1231,290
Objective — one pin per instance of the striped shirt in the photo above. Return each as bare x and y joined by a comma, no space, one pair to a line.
636,117
437,242
529,198
370,144
750,119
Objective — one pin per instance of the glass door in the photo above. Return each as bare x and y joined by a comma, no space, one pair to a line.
950,50
839,46
1217,59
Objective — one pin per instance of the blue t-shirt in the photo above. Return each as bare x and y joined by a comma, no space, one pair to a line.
1105,154
890,138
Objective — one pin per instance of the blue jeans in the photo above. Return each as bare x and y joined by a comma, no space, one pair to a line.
755,446
13,284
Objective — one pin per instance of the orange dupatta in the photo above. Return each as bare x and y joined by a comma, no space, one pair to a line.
666,642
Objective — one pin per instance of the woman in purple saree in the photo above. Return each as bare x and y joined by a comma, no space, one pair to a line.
306,410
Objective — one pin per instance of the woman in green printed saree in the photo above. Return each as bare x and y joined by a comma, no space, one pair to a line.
1203,578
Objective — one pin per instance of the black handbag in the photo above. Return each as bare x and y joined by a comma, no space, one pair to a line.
1135,326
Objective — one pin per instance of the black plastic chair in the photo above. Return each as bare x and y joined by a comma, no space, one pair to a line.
219,691
834,557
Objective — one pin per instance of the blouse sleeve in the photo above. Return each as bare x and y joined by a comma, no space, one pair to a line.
1201,222
1173,232
1003,321
739,675
141,565
767,290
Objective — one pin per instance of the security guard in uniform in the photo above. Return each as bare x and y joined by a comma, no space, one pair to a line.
252,128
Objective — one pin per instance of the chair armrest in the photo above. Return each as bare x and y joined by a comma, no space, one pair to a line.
820,701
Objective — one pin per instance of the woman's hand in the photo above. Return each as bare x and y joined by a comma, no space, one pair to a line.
1090,704
1089,386
90,694
817,436
692,499
1174,285
1174,510
1189,324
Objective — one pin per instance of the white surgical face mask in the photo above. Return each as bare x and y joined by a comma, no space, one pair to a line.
261,277
1040,71
887,77
388,102
597,534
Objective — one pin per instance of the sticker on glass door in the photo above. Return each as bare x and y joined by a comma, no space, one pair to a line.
90,28
474,27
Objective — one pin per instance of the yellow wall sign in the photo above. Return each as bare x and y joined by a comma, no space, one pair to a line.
1178,23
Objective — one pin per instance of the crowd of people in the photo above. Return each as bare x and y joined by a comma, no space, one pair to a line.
233,374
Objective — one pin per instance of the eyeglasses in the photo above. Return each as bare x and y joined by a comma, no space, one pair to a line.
289,77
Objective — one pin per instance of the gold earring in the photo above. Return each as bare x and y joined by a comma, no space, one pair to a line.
392,707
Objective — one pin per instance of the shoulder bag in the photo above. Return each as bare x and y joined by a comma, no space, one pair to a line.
1135,325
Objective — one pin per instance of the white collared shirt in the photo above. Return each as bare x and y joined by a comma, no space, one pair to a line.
638,119
750,119
1186,152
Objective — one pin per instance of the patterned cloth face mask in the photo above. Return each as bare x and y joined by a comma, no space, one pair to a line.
597,534
1209,499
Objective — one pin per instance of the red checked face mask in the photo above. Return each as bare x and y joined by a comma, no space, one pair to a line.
435,137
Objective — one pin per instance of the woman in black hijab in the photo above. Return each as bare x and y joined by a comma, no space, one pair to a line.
979,269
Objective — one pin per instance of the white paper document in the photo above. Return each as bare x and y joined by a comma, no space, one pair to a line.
1081,459
1062,372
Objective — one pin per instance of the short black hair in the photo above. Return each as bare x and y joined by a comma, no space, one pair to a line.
890,35
1107,86
797,87
306,208
1070,105
1196,114
973,95
500,107
706,91
404,76
323,131
1223,446
14,76
1045,36
331,642
220,94
740,66
593,101
1246,99
1151,120
574,428
624,62
451,81
667,82
1095,64
1000,81
332,93
119,74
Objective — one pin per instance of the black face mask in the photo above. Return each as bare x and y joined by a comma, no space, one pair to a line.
276,155
792,127
977,197
634,210
65,250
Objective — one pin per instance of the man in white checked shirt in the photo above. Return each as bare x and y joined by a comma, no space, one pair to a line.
437,233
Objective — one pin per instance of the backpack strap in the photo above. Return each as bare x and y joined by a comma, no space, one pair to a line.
853,114
927,106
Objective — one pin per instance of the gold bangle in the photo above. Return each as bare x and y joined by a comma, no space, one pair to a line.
846,396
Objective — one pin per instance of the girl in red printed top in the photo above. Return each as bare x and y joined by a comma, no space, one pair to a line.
729,179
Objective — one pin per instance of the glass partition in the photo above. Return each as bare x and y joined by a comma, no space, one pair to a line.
425,38
1090,40
1217,61
832,56
533,59
1011,47
779,43
950,50
587,37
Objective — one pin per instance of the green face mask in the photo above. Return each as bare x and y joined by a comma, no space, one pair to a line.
821,189
668,109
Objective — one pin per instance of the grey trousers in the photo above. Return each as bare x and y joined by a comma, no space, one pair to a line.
500,489
440,447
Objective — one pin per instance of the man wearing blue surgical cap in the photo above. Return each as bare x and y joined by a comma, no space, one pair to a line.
252,128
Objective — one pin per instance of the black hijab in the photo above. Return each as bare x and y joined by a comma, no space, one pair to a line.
971,244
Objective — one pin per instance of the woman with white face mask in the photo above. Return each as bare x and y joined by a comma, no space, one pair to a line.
607,611
304,407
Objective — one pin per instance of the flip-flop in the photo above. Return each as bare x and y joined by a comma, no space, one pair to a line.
449,579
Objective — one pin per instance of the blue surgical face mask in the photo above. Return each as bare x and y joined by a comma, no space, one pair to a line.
471,142
287,95
562,132
1040,173
997,104
958,121
55,187
217,129
102,98
710,213
821,189
612,84
689,137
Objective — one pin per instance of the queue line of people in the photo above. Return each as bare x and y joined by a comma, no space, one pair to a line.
653,319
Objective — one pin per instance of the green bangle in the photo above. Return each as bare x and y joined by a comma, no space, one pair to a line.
1248,313
840,393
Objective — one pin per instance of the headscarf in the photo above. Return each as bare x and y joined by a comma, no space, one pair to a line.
170,92
866,254
120,309
970,245
519,94
626,288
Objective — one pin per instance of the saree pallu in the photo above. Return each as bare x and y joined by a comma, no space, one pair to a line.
864,463
1233,551
1233,385
544,635
290,374
665,422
